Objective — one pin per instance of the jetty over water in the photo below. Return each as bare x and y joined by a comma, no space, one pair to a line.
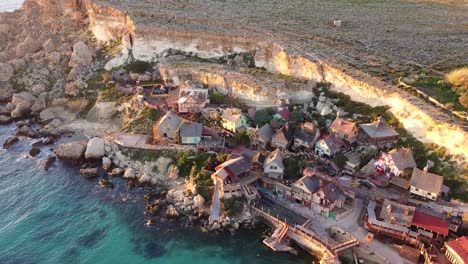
304,237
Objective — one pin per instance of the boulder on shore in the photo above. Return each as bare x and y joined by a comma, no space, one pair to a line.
89,172
106,163
48,162
71,151
95,148
172,212
23,102
10,142
198,201
34,152
129,173
27,131
4,120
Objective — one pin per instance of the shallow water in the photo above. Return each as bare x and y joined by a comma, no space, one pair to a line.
59,217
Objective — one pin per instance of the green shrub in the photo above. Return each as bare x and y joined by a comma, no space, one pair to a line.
143,122
139,66
234,206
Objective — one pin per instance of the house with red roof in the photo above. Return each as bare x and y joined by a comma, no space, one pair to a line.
429,226
346,130
456,250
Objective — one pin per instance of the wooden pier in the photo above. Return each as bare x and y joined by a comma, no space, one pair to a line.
304,237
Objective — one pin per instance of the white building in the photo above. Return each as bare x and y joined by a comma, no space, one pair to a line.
426,184
273,165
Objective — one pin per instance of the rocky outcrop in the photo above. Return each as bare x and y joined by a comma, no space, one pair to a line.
5,94
106,163
172,212
71,151
23,102
89,172
27,131
95,149
129,173
81,56
6,72
10,142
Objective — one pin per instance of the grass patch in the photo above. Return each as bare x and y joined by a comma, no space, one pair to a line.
264,72
144,155
138,66
217,98
143,122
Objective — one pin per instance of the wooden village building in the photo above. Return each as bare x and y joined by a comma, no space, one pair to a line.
346,130
379,133
397,162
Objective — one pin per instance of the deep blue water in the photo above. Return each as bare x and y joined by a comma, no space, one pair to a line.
59,217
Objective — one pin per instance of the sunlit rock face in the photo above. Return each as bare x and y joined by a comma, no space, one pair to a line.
253,90
109,23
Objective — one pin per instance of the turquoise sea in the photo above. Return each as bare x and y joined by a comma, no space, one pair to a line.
59,217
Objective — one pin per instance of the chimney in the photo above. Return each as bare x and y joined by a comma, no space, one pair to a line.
406,212
389,208
393,220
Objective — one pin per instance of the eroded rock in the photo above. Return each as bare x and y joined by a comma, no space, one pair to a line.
71,151
95,148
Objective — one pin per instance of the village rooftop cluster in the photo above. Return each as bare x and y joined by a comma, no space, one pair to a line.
338,162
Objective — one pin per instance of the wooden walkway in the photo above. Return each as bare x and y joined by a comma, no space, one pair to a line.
301,234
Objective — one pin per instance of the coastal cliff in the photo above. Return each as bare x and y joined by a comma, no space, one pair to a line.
145,42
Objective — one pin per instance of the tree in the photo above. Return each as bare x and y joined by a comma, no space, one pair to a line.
261,118
241,137
297,116
340,160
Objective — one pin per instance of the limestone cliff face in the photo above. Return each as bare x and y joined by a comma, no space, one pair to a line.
423,120
262,91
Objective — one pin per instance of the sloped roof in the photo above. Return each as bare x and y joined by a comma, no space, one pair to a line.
460,246
402,158
343,126
285,114
259,157
265,132
198,95
231,114
426,181
379,129
235,166
331,192
191,130
312,183
333,142
307,132
168,124
430,222
369,168
275,156
286,132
